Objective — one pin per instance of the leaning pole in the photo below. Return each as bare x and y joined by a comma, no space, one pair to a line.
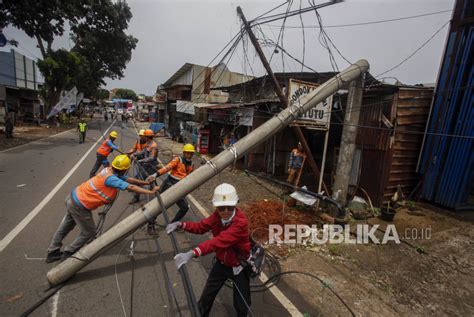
139,217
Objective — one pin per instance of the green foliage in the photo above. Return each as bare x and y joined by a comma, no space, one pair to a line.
124,93
102,94
101,46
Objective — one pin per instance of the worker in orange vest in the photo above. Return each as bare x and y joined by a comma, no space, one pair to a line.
147,164
178,168
103,151
100,190
139,146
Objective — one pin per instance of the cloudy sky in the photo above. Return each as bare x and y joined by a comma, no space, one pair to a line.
171,33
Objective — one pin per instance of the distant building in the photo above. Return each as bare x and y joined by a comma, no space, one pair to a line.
20,81
191,87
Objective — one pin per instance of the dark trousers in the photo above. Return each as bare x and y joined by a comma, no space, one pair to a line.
182,203
82,137
217,277
142,171
101,160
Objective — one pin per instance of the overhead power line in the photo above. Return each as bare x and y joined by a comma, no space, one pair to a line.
415,51
362,23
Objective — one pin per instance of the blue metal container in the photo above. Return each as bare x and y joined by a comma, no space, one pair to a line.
447,161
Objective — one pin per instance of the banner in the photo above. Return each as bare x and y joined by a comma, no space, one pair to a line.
65,102
318,117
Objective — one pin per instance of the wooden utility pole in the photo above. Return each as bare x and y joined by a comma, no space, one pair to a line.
349,133
281,96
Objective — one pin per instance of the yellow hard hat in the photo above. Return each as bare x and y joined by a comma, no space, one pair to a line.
141,132
114,134
189,148
121,162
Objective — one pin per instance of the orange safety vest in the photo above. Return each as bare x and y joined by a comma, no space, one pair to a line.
94,193
139,146
104,149
149,146
178,168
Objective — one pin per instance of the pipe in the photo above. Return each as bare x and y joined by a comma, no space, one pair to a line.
86,254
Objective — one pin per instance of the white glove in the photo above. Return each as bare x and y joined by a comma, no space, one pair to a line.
182,258
173,226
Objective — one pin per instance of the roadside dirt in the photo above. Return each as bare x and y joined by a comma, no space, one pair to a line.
430,273
28,133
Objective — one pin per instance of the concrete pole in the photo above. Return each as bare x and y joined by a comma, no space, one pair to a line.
86,254
349,133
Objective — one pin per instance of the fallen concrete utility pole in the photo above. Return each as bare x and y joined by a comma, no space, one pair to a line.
138,218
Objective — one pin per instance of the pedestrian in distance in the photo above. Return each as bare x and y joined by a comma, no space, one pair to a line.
103,152
98,191
178,168
8,127
82,129
230,243
297,157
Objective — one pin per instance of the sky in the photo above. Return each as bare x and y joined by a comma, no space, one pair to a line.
171,33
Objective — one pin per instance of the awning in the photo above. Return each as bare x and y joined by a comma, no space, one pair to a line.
188,106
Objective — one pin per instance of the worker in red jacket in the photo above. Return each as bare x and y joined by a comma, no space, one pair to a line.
231,244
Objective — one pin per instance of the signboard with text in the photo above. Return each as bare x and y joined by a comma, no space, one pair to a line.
318,117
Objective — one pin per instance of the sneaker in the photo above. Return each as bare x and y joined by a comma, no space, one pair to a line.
66,254
53,256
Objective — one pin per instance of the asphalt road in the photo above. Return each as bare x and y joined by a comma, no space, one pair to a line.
114,284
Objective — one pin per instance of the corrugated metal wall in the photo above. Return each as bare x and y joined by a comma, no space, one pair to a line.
447,161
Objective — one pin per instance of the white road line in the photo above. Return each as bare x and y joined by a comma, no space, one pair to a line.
12,234
54,304
37,140
284,301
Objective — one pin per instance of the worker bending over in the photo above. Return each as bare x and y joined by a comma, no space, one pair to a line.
103,152
100,190
147,163
178,168
231,244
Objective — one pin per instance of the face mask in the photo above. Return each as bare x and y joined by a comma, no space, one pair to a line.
226,222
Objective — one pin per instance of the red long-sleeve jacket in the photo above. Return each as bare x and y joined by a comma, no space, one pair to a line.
227,241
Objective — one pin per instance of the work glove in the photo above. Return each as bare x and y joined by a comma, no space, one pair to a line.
173,226
182,258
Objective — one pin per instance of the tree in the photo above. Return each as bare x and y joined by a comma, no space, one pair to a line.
101,46
124,93
102,94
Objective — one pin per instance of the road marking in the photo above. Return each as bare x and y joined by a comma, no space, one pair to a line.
55,302
12,234
50,136
284,301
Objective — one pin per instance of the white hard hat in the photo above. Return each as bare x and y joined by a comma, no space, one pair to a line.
225,195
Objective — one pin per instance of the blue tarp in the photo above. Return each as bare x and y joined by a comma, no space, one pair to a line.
156,126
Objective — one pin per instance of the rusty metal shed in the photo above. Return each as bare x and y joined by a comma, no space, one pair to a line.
391,125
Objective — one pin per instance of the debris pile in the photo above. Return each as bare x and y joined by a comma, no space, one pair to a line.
263,213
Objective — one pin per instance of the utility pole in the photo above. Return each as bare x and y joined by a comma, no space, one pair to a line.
141,216
281,96
349,134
